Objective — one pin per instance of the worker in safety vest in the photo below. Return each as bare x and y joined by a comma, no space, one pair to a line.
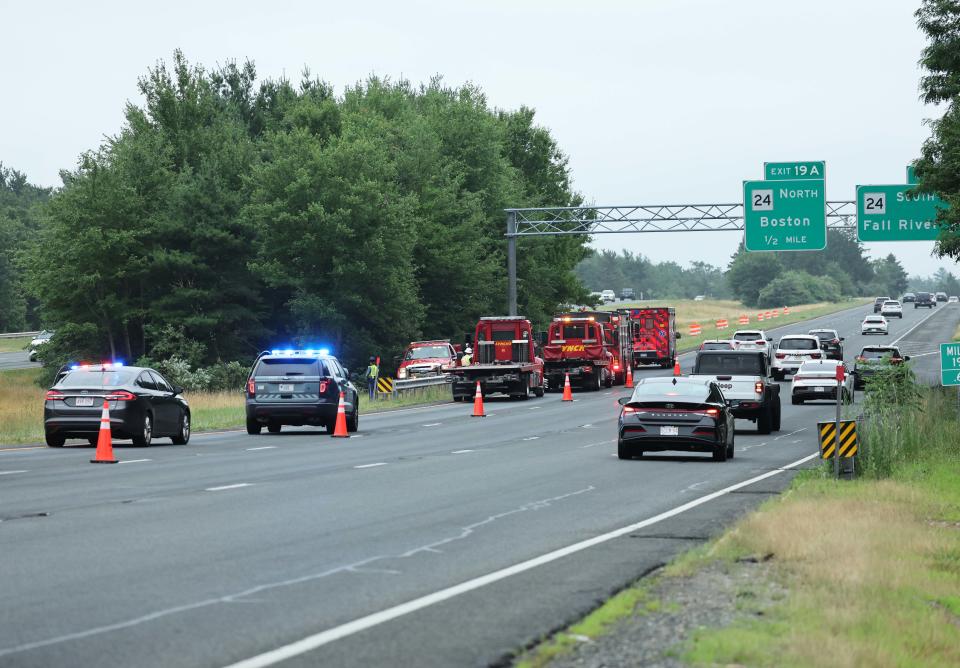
467,358
373,371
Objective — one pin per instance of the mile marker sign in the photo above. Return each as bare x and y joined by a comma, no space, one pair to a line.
789,215
950,363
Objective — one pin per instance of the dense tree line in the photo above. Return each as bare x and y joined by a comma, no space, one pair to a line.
609,270
19,208
230,215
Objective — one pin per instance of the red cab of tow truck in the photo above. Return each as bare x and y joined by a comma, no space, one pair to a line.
653,335
504,360
427,358
584,346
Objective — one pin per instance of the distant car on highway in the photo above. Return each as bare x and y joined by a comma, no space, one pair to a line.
831,343
892,309
299,387
909,297
953,299
719,344
817,379
924,299
873,357
37,341
143,405
679,413
941,296
627,293
754,339
699,298
608,296
874,324
878,303
792,351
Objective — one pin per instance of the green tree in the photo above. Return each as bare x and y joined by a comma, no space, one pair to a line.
890,279
748,273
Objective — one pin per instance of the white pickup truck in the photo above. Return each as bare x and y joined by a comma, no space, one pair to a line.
744,379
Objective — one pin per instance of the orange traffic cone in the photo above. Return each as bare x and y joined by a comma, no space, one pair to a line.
478,403
340,429
567,390
676,368
104,454
629,381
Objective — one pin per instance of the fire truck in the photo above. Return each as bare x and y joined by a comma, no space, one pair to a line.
504,361
652,335
587,346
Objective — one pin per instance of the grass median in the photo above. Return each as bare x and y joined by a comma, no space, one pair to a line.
852,573
706,313
21,406
14,345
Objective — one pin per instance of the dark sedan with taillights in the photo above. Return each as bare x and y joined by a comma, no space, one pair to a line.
684,414
143,405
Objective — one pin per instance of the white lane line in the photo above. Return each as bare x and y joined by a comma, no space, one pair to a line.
262,447
370,466
935,311
531,438
223,487
12,472
433,424
134,461
585,426
915,355
317,640
534,408
593,445
460,452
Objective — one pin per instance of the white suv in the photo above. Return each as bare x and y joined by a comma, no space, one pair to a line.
792,351
608,296
892,309
754,339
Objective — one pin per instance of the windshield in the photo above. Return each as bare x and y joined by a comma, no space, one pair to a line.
874,319
730,365
427,351
113,378
798,344
681,392
747,336
878,353
289,367
824,334
891,303
818,370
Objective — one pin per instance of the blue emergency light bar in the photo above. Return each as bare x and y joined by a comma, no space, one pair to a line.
310,352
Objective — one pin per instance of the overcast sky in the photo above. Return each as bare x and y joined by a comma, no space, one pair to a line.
654,101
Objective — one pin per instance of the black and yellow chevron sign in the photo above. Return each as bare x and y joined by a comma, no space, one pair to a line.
385,385
828,438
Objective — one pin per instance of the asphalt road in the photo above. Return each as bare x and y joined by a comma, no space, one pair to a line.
430,539
18,360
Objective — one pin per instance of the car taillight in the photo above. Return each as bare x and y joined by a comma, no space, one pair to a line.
861,359
630,409
760,342
251,388
323,387
122,395
53,395
712,412
815,356
758,387
780,356
616,367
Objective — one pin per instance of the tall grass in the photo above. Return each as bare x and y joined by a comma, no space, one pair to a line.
21,406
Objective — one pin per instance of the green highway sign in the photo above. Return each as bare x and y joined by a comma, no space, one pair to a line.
894,213
786,215
788,171
911,175
950,363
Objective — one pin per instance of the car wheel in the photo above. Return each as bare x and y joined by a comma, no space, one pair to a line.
182,437
457,397
146,435
795,401
777,375
54,440
776,416
538,390
730,447
764,421
353,421
720,453
253,427
623,451
274,427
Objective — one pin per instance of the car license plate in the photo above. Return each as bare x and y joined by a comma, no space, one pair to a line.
286,387
669,431
84,401
793,358
821,389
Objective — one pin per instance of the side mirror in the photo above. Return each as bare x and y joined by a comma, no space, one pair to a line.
842,338
623,401
177,390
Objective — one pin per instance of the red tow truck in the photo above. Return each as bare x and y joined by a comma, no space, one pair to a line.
587,346
652,333
504,361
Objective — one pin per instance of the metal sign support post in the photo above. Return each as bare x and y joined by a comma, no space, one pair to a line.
512,262
836,451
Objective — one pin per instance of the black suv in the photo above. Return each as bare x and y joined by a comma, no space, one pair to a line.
298,387
831,342
909,297
878,303
924,299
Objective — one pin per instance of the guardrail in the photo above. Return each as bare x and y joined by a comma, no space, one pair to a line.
17,335
419,383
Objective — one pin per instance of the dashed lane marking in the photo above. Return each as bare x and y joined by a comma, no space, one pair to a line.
263,447
531,438
224,487
370,466
433,424
134,461
12,472
460,452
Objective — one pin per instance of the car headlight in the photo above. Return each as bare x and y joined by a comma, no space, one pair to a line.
402,373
